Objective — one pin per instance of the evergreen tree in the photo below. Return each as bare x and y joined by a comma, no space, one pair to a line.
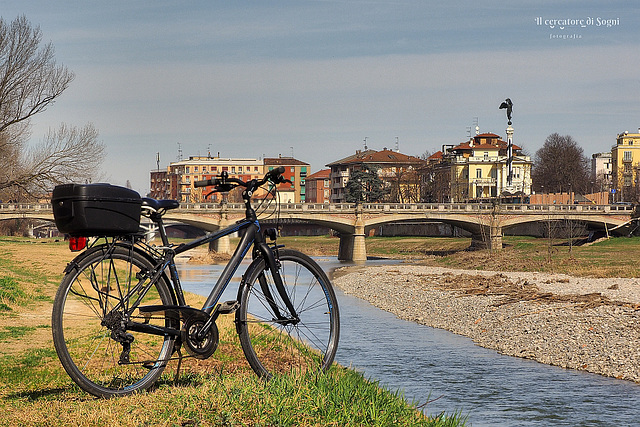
364,186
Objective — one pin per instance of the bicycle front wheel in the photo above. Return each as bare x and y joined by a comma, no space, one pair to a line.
91,311
271,340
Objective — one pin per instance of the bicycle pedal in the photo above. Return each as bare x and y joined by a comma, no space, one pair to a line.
228,307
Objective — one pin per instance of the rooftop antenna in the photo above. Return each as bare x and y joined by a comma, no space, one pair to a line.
475,121
291,152
158,160
365,142
209,151
397,145
179,151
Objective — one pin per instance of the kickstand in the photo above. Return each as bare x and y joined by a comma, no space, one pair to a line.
175,379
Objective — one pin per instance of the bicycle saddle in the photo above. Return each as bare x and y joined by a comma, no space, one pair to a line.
160,204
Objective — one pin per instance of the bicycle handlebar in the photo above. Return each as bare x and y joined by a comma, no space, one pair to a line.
223,180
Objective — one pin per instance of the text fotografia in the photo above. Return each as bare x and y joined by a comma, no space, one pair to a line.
577,23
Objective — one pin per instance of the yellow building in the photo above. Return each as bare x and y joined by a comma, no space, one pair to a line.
625,160
478,170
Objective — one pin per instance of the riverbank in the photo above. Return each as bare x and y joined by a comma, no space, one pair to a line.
578,323
222,390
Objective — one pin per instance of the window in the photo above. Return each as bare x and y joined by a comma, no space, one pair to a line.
478,173
225,168
486,155
327,183
627,156
195,169
293,169
187,169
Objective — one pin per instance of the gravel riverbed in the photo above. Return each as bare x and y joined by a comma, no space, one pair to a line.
577,323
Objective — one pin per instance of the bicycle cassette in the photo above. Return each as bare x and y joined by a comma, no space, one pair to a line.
199,345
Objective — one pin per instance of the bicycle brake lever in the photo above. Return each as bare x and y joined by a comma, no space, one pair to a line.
223,188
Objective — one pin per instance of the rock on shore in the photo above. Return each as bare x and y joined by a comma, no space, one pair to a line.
577,323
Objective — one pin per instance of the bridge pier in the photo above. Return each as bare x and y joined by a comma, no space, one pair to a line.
352,246
489,237
223,244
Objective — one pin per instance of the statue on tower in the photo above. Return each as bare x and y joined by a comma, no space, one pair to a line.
509,106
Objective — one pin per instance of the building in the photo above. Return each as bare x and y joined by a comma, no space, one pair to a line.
397,171
319,187
160,187
295,171
182,174
625,160
478,169
601,169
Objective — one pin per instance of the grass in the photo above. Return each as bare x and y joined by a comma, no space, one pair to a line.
220,391
13,332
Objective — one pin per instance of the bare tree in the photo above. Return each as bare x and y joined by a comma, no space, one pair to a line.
560,165
68,154
30,81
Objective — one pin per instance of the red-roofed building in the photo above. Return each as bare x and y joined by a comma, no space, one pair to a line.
397,171
478,169
319,187
295,171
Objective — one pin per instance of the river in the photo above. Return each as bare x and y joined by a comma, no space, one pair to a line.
450,373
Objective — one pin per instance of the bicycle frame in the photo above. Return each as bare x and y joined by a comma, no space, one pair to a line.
250,237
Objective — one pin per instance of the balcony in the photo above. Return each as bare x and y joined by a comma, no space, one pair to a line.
483,182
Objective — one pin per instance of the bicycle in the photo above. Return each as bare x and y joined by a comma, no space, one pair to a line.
120,315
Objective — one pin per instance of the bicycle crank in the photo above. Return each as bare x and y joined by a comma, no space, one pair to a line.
199,344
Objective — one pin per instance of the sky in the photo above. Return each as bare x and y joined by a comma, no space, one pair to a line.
313,79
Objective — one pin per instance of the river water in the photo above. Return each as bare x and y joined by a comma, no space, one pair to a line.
449,373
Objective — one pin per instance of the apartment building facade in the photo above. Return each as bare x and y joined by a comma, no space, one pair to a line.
397,171
625,161
601,170
182,174
319,187
478,169
295,171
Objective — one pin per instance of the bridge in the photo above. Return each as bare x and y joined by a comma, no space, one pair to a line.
353,221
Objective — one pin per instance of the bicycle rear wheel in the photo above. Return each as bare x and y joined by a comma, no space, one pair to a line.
95,301
274,345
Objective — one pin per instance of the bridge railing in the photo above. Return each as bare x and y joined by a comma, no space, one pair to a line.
374,207
25,206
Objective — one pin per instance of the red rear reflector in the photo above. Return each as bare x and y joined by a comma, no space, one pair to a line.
77,243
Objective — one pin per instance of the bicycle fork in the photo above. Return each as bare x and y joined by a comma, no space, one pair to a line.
273,265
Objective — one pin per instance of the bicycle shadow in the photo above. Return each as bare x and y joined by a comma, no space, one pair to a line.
48,393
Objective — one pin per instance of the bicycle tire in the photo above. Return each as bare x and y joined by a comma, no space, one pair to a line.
97,281
272,348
